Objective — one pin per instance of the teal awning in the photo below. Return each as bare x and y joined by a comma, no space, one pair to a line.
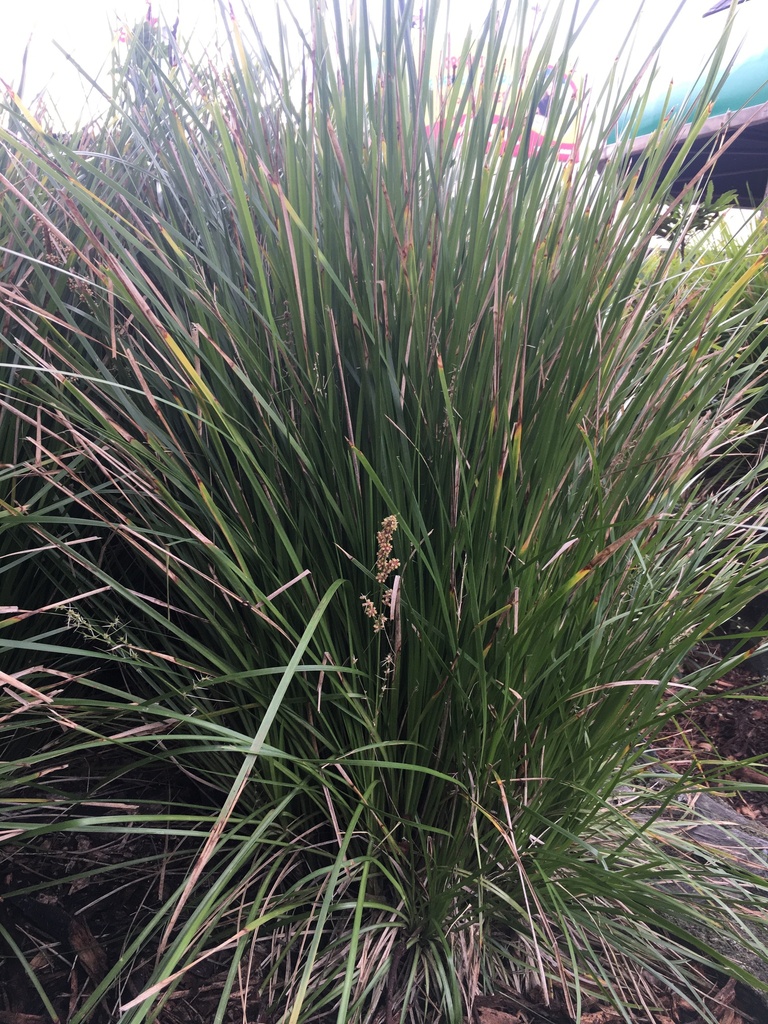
736,131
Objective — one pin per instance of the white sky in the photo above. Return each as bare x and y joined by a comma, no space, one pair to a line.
86,28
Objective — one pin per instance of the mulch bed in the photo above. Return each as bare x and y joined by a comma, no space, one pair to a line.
72,928
733,722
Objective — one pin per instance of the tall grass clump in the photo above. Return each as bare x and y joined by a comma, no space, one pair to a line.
378,468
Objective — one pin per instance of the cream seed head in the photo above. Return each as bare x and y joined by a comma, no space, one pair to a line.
385,565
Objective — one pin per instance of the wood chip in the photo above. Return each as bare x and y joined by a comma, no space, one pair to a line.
487,1015
90,953
731,1017
9,1017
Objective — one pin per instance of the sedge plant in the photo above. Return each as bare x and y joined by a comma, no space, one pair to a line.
381,472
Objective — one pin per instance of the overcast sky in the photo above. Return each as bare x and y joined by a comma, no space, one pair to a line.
87,29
